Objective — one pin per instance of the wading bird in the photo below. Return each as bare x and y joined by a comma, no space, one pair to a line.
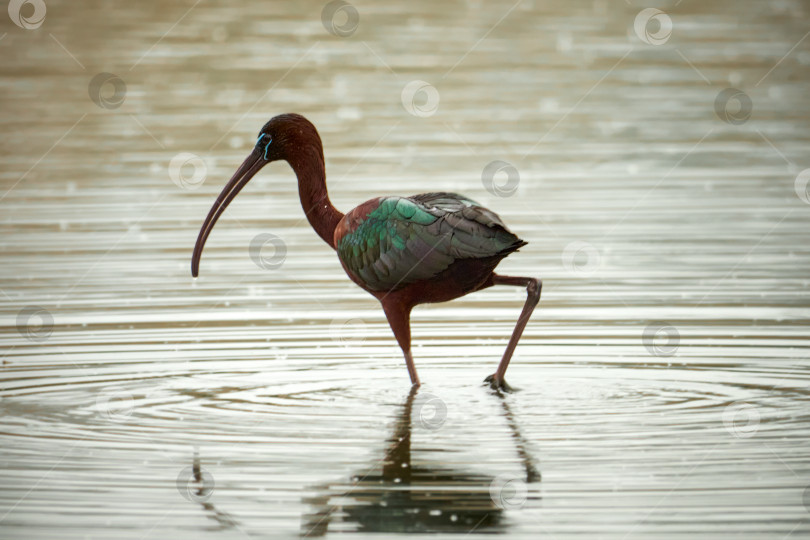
405,251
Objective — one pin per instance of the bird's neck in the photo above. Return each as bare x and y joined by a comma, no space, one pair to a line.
308,165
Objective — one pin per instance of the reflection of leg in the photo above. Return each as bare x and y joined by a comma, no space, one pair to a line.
204,490
399,317
396,469
532,473
397,461
317,524
533,288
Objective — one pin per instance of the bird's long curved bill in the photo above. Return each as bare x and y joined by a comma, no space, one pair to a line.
241,177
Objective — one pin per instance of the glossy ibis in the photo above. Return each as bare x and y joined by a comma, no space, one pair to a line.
405,251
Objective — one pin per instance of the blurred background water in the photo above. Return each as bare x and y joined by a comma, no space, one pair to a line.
653,159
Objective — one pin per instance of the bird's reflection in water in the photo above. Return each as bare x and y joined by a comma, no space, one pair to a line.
198,488
415,499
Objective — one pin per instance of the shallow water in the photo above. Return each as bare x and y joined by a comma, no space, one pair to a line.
664,379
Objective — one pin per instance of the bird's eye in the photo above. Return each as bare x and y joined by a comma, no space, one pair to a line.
266,145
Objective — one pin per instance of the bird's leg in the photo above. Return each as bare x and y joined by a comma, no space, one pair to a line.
411,368
533,288
399,317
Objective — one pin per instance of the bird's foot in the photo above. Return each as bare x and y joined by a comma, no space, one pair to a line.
498,384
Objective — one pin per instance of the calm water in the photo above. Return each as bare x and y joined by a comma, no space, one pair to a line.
665,380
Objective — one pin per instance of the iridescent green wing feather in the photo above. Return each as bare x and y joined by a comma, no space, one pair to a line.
404,240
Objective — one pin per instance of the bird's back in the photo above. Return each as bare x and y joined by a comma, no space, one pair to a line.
389,242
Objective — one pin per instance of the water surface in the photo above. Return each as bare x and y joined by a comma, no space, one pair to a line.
274,402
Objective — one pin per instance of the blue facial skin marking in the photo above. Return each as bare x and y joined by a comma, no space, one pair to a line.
267,146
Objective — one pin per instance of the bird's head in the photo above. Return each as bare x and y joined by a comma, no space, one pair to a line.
284,136
289,137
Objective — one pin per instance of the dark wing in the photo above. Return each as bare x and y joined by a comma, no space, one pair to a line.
404,240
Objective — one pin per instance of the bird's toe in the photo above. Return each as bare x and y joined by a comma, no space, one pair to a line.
498,384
